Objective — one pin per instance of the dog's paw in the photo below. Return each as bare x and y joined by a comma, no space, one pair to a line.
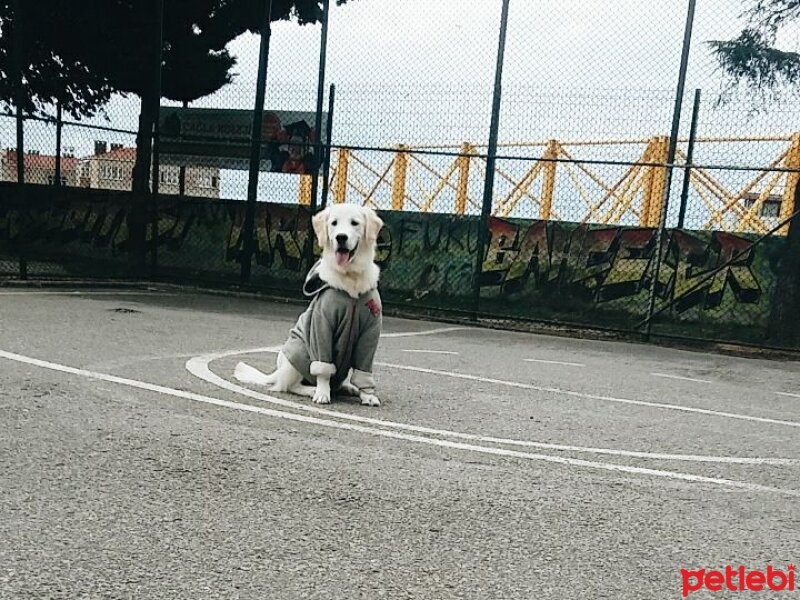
369,399
348,389
321,397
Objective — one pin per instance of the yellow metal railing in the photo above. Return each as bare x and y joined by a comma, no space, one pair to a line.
561,185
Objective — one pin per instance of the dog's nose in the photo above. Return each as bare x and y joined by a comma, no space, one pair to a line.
341,238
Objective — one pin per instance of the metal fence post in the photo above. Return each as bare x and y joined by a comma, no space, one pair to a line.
687,171
255,143
673,141
159,46
19,97
326,164
19,92
323,58
182,169
59,126
488,188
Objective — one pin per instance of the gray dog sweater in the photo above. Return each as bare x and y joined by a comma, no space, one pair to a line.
336,333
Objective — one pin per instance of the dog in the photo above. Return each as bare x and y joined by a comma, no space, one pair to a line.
332,346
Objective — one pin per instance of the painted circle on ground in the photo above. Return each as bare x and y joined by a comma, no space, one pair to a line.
200,367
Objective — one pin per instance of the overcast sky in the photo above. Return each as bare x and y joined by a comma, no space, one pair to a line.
565,43
436,59
421,71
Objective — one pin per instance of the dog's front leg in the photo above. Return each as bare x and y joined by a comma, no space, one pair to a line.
347,388
367,396
365,384
323,373
322,395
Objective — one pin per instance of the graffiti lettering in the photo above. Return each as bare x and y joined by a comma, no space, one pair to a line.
689,264
99,224
282,232
281,238
432,256
597,254
612,263
633,253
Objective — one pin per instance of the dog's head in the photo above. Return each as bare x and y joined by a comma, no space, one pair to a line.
347,234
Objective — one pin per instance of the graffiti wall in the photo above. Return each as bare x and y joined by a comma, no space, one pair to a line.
535,269
60,237
600,268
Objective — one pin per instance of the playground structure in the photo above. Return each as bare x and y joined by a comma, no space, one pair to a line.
552,180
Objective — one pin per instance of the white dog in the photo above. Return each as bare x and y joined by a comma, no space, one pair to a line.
334,341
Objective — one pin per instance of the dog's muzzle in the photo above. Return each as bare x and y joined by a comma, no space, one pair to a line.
344,255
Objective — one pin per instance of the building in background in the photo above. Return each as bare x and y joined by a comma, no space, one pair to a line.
107,169
39,168
112,169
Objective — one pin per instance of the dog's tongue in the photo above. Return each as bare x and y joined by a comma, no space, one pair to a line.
342,257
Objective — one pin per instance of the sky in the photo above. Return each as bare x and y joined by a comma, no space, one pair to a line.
405,66
421,72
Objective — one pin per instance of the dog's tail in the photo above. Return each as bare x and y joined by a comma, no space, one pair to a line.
247,374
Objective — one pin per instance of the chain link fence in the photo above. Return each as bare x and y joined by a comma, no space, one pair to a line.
609,205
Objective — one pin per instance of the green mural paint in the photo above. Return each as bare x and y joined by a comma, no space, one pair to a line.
587,274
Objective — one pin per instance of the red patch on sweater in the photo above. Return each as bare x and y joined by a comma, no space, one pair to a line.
374,307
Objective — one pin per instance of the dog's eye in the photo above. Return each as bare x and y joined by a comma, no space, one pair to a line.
354,223
333,222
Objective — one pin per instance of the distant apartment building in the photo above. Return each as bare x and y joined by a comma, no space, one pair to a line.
107,169
112,169
39,168
770,206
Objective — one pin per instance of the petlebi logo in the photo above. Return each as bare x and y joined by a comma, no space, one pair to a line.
739,579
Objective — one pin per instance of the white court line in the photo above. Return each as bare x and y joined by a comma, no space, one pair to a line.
278,348
667,376
199,367
132,360
426,332
527,386
788,394
553,362
429,352
575,462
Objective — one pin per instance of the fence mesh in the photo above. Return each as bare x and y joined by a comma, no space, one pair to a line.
588,222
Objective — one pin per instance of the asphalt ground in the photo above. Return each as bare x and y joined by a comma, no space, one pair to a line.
500,465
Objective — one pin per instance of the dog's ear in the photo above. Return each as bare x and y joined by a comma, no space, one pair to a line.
373,225
320,224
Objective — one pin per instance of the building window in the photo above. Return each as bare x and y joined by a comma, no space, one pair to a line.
770,208
112,172
169,177
208,182
52,178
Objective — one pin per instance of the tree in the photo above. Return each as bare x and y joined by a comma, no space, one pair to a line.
50,77
195,61
100,47
83,52
754,63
